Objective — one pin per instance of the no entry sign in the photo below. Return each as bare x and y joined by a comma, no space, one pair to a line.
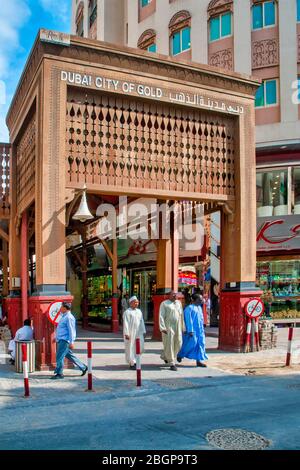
254,308
54,312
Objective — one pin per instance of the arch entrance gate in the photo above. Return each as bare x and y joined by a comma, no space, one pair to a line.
125,123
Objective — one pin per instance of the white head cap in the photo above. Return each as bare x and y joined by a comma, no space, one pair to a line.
134,297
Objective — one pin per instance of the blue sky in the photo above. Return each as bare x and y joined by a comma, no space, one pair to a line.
19,24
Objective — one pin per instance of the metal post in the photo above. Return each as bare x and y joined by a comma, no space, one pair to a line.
25,370
138,363
289,347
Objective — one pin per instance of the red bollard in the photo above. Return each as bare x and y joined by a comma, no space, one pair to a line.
138,363
248,333
289,348
25,370
89,361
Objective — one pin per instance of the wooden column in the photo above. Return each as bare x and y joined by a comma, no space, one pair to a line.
24,265
238,240
113,256
13,302
5,268
167,263
115,316
50,184
85,311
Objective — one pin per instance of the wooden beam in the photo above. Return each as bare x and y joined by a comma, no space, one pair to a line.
107,249
4,235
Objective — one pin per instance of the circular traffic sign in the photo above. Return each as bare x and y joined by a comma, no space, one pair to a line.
254,308
54,312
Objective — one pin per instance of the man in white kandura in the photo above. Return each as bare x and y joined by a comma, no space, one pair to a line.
171,325
23,334
133,328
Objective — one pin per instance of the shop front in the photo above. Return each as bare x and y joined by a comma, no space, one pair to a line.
278,265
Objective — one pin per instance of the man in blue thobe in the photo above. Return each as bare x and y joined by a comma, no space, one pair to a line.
193,346
65,338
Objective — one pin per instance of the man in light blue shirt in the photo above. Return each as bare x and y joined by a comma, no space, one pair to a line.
65,338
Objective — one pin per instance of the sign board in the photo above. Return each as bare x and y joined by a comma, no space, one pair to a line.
254,308
278,233
54,312
55,37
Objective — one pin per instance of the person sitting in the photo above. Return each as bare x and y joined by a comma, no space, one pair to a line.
23,334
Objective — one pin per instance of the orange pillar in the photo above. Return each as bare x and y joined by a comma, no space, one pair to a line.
115,316
167,263
24,265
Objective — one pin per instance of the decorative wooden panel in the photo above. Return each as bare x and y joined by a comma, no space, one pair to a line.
26,162
4,179
121,142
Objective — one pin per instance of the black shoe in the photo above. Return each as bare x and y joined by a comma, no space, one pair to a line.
57,376
12,362
179,359
200,364
166,362
83,372
133,367
173,368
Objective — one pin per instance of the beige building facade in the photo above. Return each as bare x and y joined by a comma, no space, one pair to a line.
256,37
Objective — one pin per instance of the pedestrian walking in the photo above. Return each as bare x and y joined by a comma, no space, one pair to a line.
171,326
193,346
133,328
65,338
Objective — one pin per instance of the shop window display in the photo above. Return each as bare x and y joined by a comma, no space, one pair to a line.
271,193
280,282
99,295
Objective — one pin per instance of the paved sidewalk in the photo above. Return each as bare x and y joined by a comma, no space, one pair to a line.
172,410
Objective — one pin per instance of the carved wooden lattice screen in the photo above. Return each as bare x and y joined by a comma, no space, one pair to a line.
126,143
26,162
4,179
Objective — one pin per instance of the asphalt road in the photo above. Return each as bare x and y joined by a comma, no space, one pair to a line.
161,415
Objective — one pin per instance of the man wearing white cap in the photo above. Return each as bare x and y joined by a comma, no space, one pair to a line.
133,328
171,325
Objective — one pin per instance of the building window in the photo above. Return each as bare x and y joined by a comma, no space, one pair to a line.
220,26
144,3
296,190
79,27
181,41
298,11
79,20
266,95
151,48
263,15
147,41
92,11
272,193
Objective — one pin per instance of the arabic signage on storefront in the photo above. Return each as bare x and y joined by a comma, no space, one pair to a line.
141,89
278,233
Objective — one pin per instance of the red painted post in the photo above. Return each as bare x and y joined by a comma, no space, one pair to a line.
25,370
138,362
90,369
248,333
289,348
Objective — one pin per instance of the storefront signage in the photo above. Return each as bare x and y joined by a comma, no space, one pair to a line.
254,308
278,233
55,37
54,312
140,89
